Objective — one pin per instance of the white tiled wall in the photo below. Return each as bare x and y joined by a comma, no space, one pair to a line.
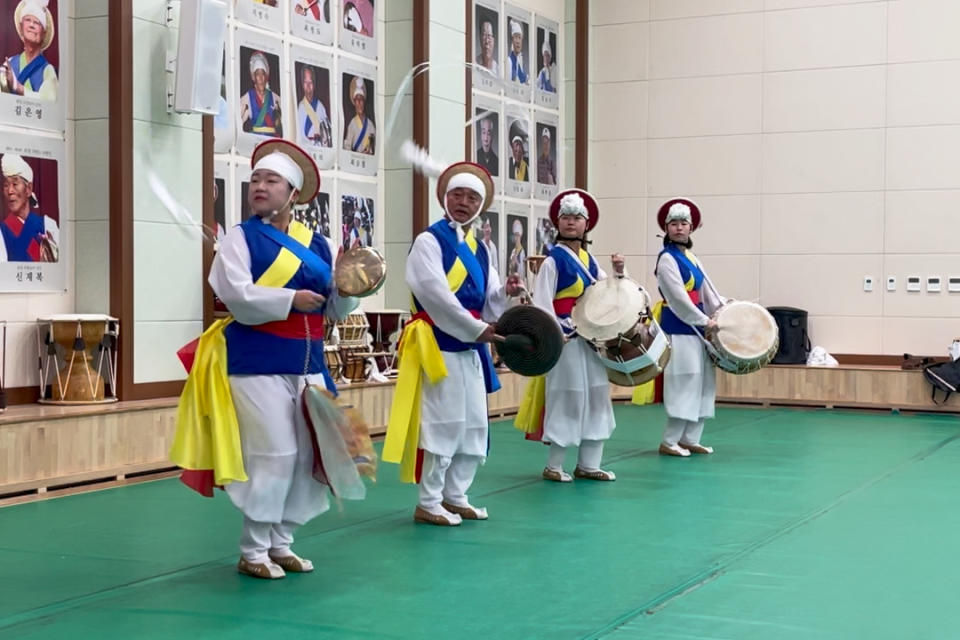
820,137
167,272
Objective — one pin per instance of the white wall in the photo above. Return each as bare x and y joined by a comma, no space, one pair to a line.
167,269
821,139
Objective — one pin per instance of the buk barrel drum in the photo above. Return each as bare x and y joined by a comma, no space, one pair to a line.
385,327
746,338
614,316
353,330
78,358
331,354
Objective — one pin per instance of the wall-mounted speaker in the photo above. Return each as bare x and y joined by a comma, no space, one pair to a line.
203,27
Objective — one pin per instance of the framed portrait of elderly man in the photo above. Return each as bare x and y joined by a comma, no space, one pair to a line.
486,229
518,226
357,21
544,148
358,214
313,127
487,149
317,215
517,76
518,181
359,143
313,20
221,196
241,208
259,82
545,235
223,127
548,79
32,83
33,252
265,14
486,37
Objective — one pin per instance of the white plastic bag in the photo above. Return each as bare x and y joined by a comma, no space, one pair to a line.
820,358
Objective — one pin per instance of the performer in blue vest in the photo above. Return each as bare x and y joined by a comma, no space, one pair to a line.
575,396
276,277
29,73
438,421
689,299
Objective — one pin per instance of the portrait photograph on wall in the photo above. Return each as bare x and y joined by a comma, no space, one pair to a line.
486,229
518,219
241,207
357,21
358,147
32,44
545,148
223,127
265,14
546,233
517,165
313,20
358,215
32,214
516,54
487,147
221,200
486,38
313,114
259,82
316,215
548,79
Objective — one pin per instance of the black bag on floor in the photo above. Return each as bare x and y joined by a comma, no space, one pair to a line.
794,341
944,376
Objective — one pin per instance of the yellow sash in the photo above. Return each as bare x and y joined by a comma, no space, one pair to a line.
418,354
534,397
208,434
311,115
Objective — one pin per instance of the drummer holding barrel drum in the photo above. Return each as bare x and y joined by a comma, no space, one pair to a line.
705,330
575,394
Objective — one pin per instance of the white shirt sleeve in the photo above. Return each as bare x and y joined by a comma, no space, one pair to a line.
671,286
52,229
337,307
232,281
545,287
428,283
496,295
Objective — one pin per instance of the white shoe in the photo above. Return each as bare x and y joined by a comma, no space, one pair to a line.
267,570
467,511
436,515
696,448
556,475
673,450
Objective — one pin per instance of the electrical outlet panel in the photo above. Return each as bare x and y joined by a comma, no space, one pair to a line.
913,283
953,284
891,283
867,283
933,284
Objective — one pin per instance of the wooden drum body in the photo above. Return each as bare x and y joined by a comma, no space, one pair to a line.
78,359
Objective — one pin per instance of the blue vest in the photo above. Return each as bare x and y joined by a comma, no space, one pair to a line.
692,276
570,270
472,295
18,246
254,352
32,73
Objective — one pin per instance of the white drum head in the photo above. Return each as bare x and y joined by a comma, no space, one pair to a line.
746,330
609,308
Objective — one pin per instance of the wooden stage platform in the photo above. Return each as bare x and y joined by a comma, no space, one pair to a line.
51,450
